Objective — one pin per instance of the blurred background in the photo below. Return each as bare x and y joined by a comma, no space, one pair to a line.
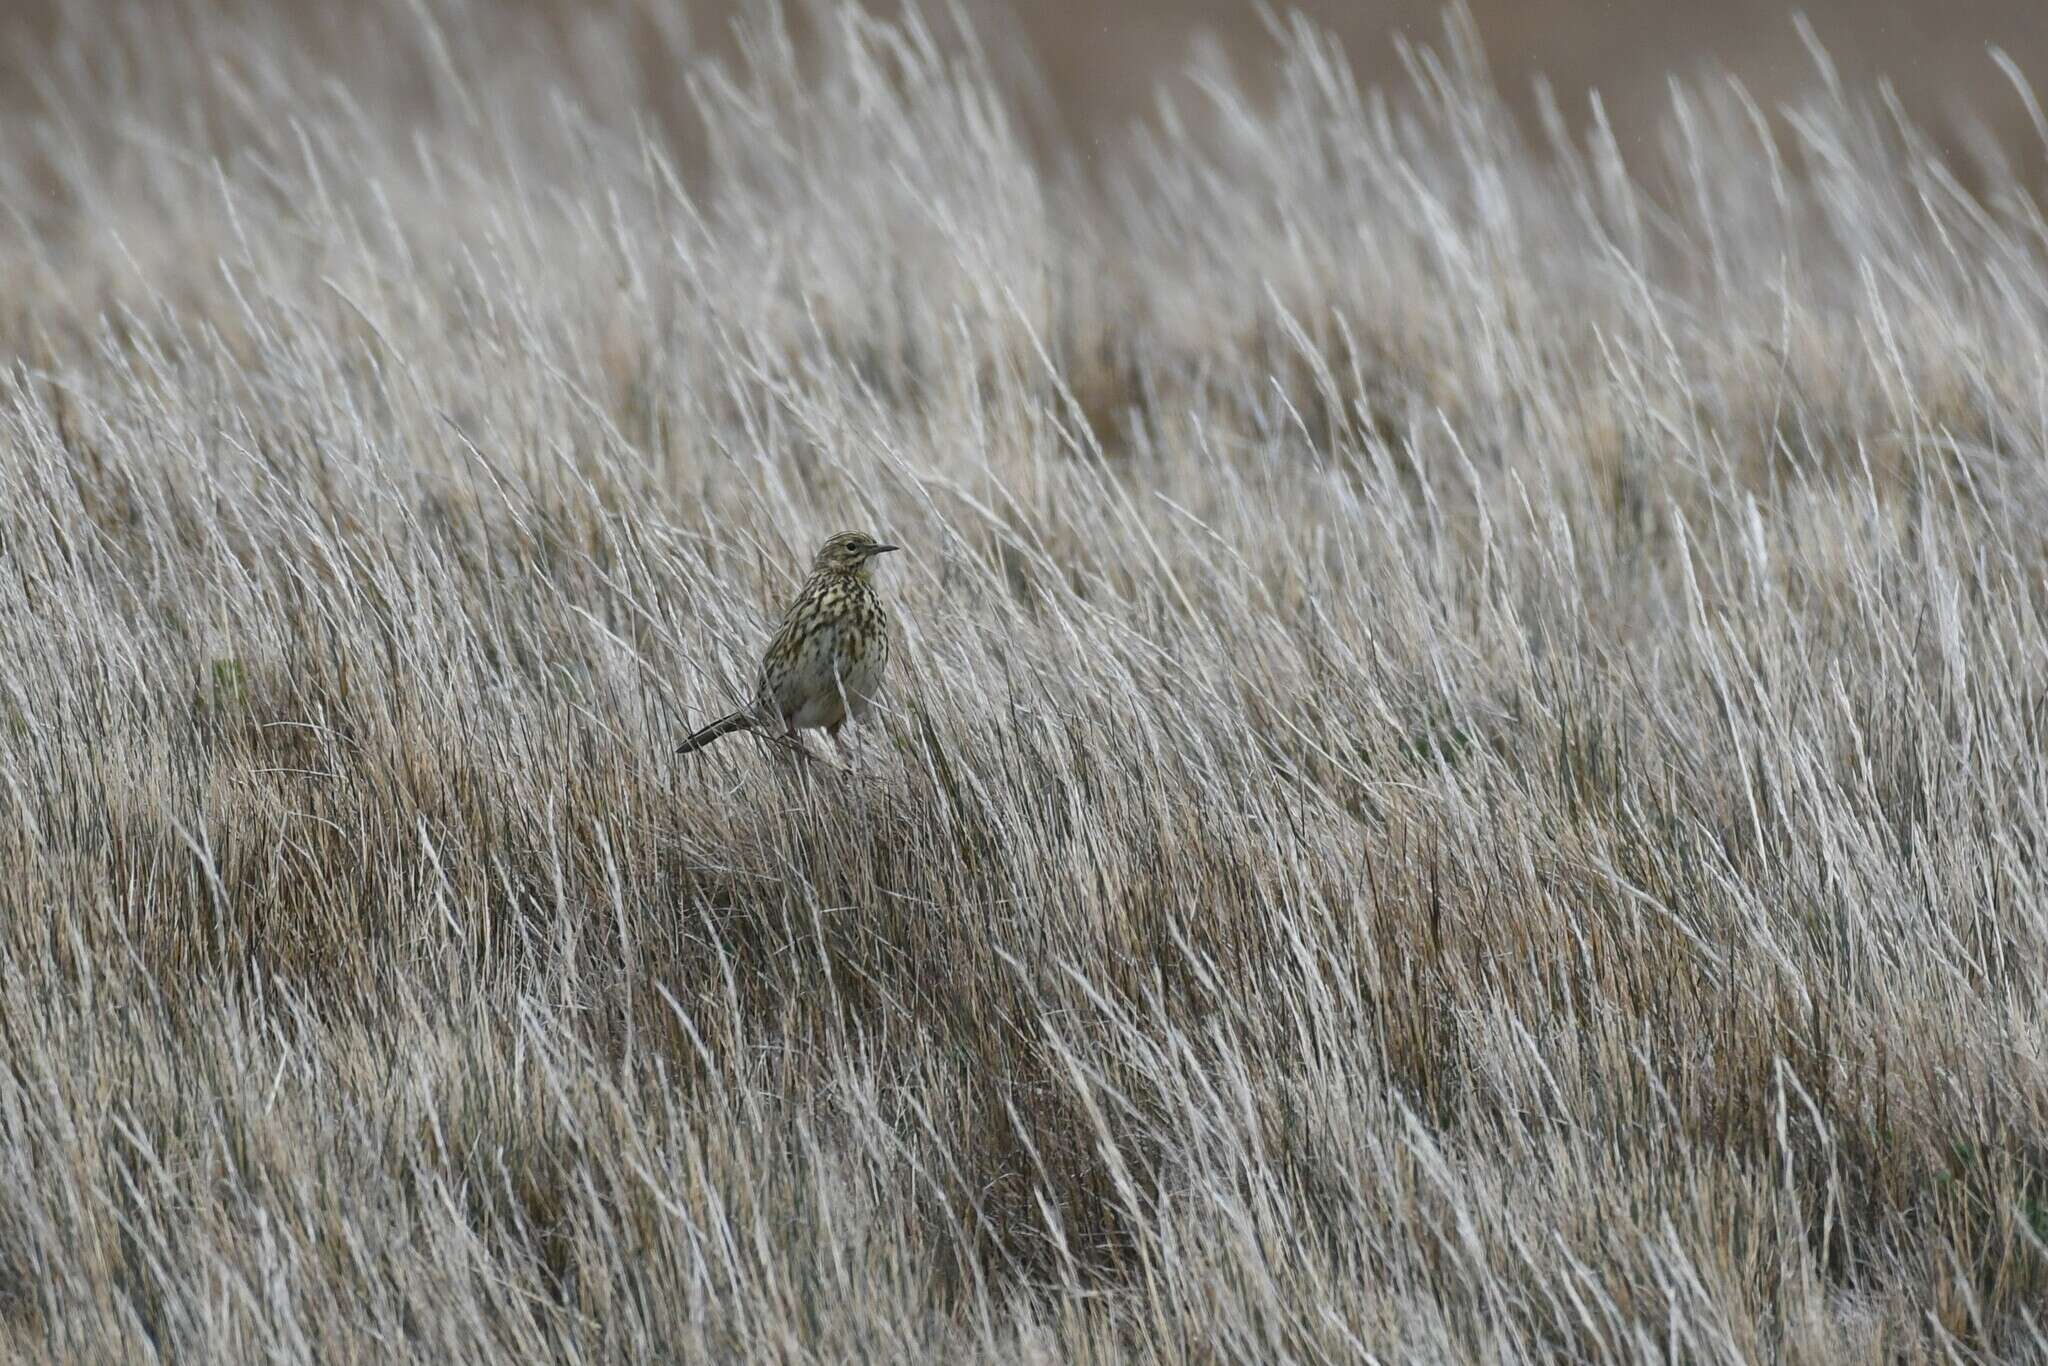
1934,50
1090,66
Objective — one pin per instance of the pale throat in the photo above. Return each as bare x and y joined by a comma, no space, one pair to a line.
862,574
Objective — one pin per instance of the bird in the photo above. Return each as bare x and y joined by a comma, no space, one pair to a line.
825,662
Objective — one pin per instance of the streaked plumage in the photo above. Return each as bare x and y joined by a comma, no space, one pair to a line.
825,663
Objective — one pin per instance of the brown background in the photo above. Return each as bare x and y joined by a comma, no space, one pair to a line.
1100,60
1935,50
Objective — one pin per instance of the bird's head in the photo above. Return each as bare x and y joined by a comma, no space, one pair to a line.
849,553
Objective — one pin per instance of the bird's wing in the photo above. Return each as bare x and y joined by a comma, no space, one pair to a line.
778,679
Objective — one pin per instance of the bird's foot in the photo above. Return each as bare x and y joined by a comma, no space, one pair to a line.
799,750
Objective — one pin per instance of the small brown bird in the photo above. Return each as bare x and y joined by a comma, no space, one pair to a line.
825,663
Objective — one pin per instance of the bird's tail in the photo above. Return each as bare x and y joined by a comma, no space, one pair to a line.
724,725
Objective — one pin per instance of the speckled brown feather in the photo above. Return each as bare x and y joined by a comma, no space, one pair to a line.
826,661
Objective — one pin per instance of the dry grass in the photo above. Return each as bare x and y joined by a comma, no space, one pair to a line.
1467,783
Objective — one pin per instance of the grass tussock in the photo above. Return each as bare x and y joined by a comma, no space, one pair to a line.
1466,781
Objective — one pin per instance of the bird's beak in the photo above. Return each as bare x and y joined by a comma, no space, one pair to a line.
882,548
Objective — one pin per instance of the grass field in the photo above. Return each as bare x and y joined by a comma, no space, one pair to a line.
1465,782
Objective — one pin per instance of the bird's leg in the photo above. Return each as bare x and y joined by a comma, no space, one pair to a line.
800,750
795,746
848,746
853,747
